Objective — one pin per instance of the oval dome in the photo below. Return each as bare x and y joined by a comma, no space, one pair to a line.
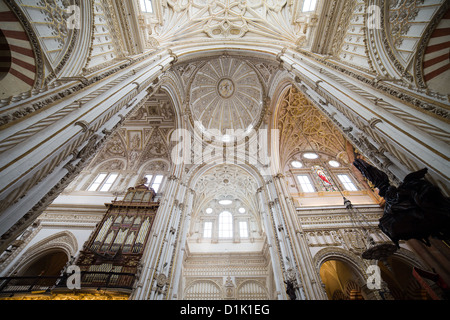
226,94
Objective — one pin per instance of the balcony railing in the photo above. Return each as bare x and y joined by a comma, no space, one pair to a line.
88,280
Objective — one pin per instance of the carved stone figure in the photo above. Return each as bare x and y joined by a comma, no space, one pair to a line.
161,281
415,209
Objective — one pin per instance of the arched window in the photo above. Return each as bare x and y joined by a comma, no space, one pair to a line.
154,181
309,5
225,225
146,6
207,229
243,229
347,182
305,183
103,182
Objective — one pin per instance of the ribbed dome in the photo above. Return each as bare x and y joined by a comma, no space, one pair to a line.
226,94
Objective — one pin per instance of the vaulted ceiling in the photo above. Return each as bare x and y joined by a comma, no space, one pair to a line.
143,136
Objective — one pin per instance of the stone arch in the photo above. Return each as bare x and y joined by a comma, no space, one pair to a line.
199,170
176,91
260,230
352,261
252,290
396,272
281,88
250,170
316,132
117,163
203,290
20,73
165,165
5,65
409,258
433,53
339,254
63,241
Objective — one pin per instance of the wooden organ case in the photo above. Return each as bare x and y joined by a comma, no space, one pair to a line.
110,259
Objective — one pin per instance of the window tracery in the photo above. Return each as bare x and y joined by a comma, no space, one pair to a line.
226,222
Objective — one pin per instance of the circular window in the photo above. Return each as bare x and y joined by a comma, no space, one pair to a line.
334,164
310,155
226,138
296,164
242,210
225,202
209,210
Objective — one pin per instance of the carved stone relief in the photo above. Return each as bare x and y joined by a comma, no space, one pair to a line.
302,127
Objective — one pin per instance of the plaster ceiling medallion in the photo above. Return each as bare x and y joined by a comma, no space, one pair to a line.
226,94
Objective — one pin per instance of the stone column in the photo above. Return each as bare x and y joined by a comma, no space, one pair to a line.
300,255
180,248
275,250
153,281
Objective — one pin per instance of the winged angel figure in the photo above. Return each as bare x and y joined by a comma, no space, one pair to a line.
415,209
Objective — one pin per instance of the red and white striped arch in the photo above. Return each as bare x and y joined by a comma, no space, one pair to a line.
17,59
436,62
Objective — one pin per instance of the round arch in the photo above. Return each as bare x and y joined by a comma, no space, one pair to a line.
261,229
62,242
202,290
397,273
245,172
351,268
117,163
252,290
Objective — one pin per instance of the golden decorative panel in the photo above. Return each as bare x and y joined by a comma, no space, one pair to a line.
304,128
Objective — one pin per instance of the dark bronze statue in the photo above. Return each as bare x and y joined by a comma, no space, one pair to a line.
415,209
290,290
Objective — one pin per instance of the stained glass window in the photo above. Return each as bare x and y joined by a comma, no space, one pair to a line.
323,178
